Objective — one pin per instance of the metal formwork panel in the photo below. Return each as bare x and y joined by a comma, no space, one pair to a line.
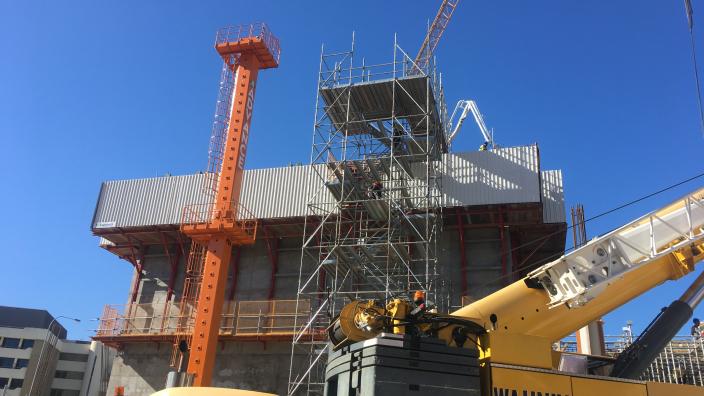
145,202
266,193
372,100
278,192
553,196
505,175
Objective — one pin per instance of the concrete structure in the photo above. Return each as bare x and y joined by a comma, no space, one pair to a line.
502,215
384,200
35,360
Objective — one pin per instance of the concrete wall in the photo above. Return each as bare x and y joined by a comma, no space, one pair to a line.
261,366
253,278
264,366
482,249
142,368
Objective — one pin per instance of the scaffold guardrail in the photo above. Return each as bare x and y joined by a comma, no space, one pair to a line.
250,318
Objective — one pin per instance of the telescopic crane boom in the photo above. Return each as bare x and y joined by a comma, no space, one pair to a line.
463,108
562,296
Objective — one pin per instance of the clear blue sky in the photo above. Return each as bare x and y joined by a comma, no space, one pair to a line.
91,91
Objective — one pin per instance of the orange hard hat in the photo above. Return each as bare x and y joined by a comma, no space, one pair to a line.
419,294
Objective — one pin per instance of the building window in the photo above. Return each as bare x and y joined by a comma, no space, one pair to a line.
6,362
26,344
3,382
64,392
16,383
8,342
73,357
21,363
75,375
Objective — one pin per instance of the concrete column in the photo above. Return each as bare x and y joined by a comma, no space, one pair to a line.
590,339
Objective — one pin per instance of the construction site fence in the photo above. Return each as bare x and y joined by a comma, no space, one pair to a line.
246,318
680,362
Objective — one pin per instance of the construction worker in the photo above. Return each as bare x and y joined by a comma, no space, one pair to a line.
484,146
419,301
376,189
695,330
396,139
419,298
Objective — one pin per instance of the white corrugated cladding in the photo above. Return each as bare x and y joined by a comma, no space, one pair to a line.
266,193
506,175
278,192
553,197
143,202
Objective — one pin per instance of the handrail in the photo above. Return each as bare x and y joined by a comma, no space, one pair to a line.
273,317
254,30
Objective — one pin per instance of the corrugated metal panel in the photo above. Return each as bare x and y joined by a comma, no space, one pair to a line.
152,201
553,197
267,193
280,192
506,175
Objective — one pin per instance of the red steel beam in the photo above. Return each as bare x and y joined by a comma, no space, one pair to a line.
173,264
502,233
272,245
463,256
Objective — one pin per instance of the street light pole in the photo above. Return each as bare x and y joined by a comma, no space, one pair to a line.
41,353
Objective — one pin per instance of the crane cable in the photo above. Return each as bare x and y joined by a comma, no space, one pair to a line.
550,235
690,22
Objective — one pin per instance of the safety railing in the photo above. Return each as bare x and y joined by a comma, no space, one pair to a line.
209,218
341,73
254,30
239,318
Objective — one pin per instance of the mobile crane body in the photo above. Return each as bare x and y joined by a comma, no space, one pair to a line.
513,329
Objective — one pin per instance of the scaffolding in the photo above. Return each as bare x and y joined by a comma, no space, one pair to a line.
378,140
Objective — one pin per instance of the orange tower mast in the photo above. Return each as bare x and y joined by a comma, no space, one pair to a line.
223,223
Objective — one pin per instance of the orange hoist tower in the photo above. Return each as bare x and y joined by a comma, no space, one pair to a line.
221,224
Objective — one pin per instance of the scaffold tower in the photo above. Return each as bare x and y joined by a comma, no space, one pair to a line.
378,140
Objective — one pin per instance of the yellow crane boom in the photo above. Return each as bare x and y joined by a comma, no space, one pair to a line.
560,297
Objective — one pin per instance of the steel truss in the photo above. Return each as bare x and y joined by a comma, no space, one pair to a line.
374,202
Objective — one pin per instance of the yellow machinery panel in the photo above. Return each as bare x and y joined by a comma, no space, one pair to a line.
518,381
603,387
509,382
661,389
516,349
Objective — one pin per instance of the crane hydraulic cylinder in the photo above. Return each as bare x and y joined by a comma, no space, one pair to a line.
633,361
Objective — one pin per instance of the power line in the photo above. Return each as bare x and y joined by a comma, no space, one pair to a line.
690,22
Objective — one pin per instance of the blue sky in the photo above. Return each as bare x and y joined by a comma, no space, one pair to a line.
91,91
